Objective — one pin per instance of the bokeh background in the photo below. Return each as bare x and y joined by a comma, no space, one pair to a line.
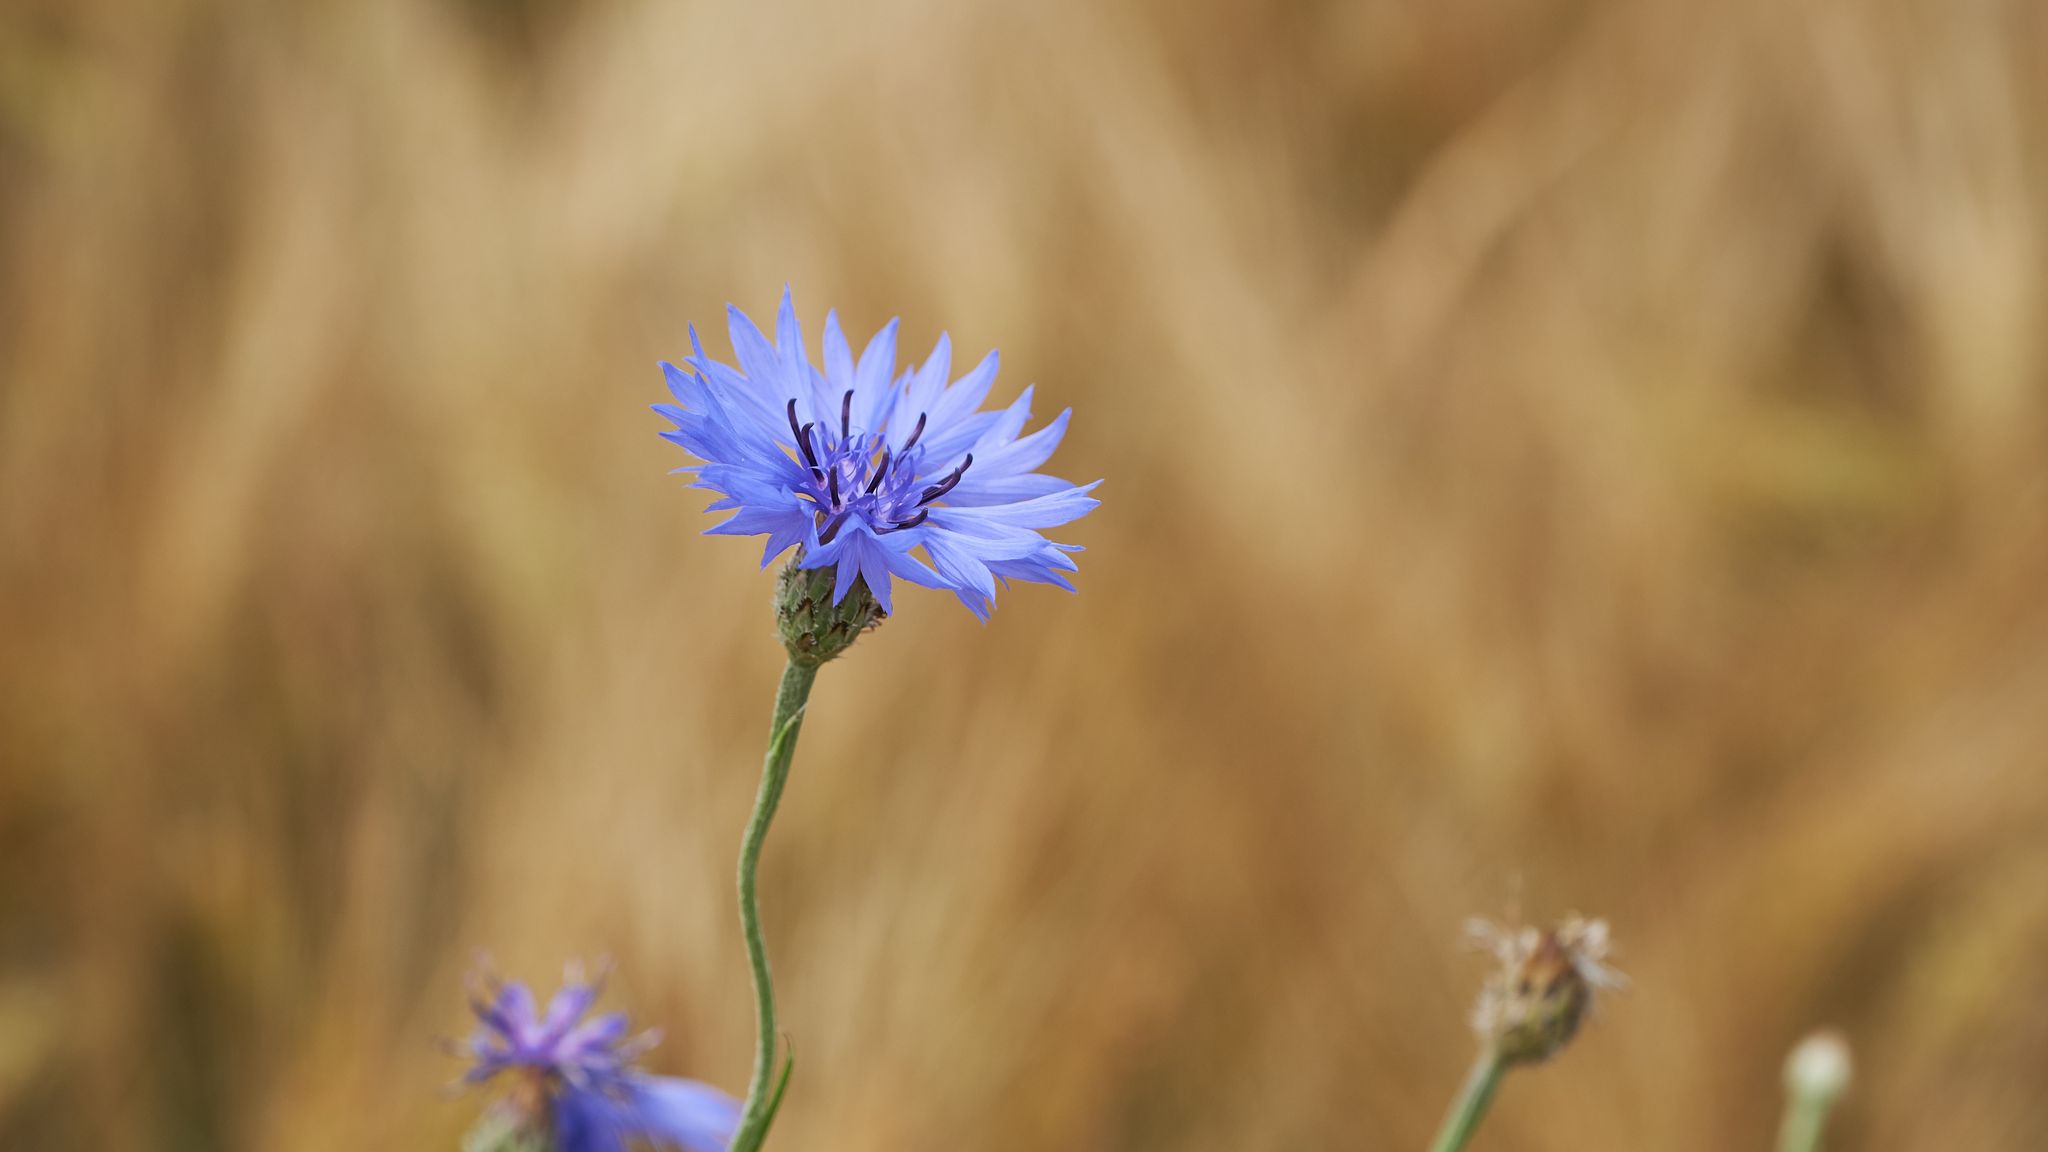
1560,456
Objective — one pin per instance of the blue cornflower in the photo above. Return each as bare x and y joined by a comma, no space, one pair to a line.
577,1079
861,468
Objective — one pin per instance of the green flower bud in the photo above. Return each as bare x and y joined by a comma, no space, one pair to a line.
1818,1068
813,628
1816,1075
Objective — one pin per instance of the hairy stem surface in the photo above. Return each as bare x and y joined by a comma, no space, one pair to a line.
762,1097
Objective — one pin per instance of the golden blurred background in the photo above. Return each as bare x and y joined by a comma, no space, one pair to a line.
1560,455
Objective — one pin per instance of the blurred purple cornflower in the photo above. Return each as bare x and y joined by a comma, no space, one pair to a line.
860,468
576,1080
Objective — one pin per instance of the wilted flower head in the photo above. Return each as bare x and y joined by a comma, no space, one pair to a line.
576,1087
861,469
1534,1002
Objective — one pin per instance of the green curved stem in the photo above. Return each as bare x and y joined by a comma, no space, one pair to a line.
1470,1107
762,1094
1800,1130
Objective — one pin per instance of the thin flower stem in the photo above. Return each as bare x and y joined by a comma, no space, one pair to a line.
1470,1107
790,699
1800,1131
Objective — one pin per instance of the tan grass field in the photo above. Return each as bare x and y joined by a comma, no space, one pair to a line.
1578,455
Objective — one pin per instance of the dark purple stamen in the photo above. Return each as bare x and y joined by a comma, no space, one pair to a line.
846,414
833,483
833,526
946,485
923,514
803,437
881,471
914,432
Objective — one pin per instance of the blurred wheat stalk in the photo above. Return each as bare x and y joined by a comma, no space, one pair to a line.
1651,390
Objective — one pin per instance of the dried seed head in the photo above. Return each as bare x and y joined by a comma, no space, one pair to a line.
1535,1001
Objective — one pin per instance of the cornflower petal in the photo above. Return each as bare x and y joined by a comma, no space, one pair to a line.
683,1114
592,1096
874,474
